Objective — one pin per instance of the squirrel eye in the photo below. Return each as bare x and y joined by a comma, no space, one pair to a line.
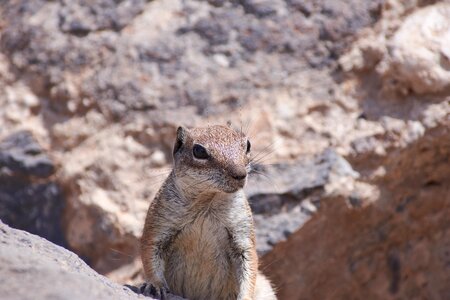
200,152
248,146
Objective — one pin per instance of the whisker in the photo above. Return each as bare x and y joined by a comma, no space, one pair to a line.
247,127
259,158
195,184
157,179
240,118
268,178
265,149
157,172
160,170
258,164
264,268
157,175
121,253
258,170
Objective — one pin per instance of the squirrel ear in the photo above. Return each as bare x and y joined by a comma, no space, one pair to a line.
181,138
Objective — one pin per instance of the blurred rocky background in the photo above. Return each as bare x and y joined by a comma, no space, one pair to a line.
347,104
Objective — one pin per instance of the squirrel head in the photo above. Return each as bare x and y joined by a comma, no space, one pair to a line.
214,158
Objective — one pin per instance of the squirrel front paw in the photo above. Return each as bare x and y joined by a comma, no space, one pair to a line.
148,289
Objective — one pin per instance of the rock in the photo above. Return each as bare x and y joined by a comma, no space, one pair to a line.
104,216
28,199
297,179
217,3
124,71
284,196
213,30
365,54
260,8
105,86
140,75
419,52
79,18
20,154
36,208
383,250
33,268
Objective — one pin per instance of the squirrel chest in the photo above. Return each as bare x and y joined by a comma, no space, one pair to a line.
202,252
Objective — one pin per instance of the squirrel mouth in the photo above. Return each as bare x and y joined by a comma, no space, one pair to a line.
234,185
240,182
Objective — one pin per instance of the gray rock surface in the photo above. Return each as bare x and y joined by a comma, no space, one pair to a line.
21,154
419,52
284,196
108,38
33,268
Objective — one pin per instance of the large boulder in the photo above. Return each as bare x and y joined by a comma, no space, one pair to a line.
395,247
33,268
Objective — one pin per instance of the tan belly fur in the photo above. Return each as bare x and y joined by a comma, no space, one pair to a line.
197,267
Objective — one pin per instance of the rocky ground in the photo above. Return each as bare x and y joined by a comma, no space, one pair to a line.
34,268
347,104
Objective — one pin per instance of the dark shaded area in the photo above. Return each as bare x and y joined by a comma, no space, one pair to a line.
29,199
394,266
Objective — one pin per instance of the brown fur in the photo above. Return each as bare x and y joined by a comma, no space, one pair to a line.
198,240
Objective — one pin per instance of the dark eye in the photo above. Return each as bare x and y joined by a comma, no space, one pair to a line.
200,152
249,146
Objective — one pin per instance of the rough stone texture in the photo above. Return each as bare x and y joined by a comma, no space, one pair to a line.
83,17
105,87
29,199
419,52
103,90
410,57
284,196
396,248
20,154
33,268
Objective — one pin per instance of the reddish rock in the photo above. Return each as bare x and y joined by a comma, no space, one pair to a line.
396,247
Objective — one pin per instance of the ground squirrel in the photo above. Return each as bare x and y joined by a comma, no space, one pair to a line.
198,240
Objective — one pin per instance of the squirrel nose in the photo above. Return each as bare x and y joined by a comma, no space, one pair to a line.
239,174
239,177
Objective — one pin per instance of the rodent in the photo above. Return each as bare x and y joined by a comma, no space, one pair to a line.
198,240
